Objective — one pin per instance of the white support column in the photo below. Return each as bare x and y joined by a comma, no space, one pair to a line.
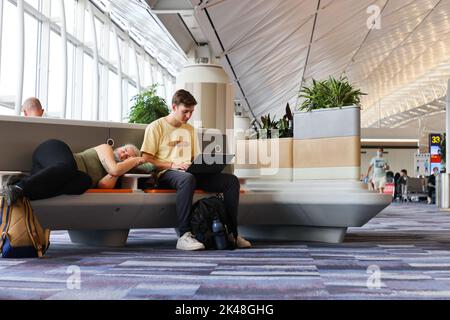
20,55
119,71
96,75
64,58
447,122
444,181
1,29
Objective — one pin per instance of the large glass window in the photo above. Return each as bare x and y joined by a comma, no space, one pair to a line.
146,74
122,52
113,97
132,91
31,57
88,29
69,8
113,57
132,63
6,111
70,78
55,77
55,9
79,94
34,3
159,80
86,113
8,71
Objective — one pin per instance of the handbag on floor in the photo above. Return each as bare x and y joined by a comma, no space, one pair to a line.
22,236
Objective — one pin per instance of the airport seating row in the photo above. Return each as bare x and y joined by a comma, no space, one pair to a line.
301,210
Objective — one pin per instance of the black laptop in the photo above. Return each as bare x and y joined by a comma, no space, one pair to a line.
210,163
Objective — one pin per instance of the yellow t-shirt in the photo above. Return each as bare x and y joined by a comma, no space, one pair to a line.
168,143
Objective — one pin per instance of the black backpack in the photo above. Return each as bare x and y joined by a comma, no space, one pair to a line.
204,212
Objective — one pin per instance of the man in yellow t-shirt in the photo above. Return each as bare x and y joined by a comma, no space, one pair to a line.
170,144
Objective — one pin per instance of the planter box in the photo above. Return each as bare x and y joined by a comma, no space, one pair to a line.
327,144
264,158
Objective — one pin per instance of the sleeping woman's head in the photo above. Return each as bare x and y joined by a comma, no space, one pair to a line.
124,152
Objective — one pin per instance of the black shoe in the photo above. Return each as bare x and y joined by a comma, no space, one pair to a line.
12,193
14,179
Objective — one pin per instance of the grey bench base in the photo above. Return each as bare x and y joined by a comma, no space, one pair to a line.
293,233
100,238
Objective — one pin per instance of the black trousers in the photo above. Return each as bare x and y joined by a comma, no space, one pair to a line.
54,172
186,183
431,191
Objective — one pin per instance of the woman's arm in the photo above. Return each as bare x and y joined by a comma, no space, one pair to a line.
107,182
106,156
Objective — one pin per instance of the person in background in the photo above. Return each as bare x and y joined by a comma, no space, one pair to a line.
379,166
32,108
432,185
398,189
403,176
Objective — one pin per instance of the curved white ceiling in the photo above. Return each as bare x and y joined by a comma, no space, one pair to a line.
274,46
138,18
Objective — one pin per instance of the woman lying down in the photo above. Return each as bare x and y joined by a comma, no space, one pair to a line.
56,170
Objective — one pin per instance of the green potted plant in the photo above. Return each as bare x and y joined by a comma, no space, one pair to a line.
285,124
267,126
328,122
331,93
272,128
270,155
148,107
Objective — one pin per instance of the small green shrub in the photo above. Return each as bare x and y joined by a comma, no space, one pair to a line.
148,107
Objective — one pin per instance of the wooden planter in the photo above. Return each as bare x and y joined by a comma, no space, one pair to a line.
264,158
327,144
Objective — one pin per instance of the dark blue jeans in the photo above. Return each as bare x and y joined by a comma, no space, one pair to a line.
186,183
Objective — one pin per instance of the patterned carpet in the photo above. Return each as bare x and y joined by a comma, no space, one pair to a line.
408,245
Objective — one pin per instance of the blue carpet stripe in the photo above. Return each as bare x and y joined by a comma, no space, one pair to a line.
409,243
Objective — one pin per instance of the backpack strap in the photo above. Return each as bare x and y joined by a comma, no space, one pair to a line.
31,228
3,215
6,221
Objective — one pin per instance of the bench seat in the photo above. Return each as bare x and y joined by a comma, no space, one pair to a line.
299,212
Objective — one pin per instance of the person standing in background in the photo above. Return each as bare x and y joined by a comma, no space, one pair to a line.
379,166
432,185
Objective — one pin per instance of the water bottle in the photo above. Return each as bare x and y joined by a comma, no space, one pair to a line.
219,234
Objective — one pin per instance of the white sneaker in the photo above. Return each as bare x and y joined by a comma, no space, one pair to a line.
188,242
